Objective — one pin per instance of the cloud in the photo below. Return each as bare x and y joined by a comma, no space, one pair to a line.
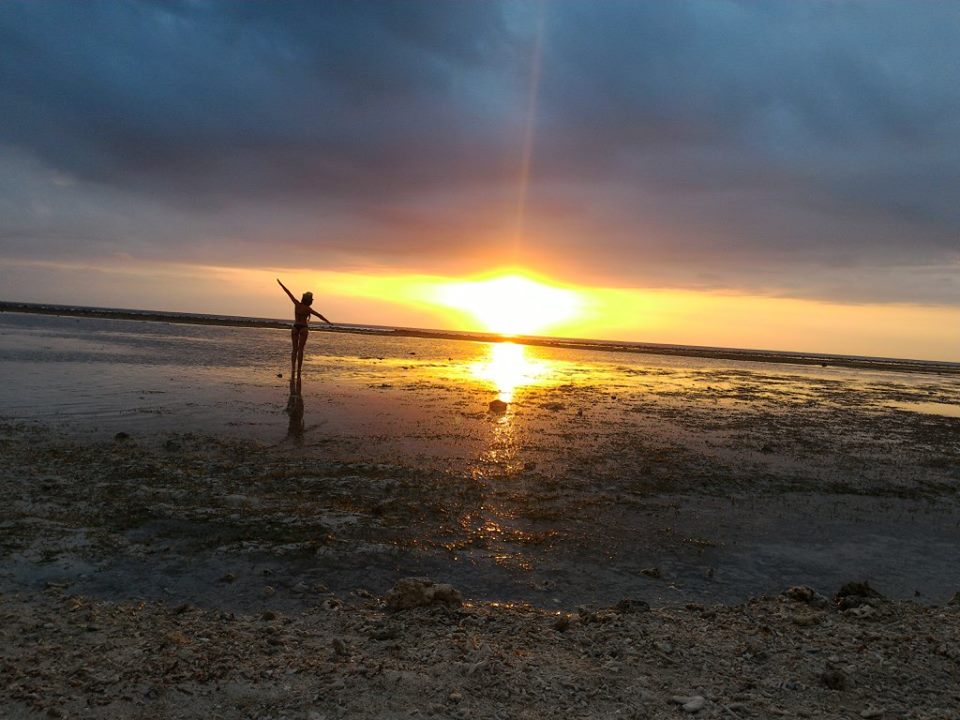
809,149
230,100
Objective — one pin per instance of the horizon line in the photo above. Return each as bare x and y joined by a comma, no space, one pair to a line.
794,357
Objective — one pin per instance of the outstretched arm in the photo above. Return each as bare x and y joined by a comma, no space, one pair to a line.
314,312
289,294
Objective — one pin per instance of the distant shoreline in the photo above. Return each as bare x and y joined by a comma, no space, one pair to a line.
763,356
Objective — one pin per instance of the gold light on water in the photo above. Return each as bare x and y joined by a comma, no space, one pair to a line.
507,367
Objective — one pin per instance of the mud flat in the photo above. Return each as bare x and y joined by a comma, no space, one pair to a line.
187,576
184,535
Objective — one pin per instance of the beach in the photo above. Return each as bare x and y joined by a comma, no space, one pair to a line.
185,534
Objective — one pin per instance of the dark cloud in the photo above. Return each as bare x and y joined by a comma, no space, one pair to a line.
248,98
776,146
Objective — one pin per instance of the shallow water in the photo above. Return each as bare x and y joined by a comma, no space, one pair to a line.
732,478
96,377
930,408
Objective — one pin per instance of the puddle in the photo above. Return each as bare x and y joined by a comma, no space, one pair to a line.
928,408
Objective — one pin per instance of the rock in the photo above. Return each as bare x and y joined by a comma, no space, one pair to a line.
863,611
455,696
385,632
861,589
268,615
833,678
498,406
236,501
871,712
690,703
121,436
629,606
696,703
652,572
172,446
562,623
850,602
269,591
805,594
339,647
605,615
421,592
447,595
955,600
855,594
663,646
227,578
806,619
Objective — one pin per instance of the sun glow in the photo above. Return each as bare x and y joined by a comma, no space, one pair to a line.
658,315
511,304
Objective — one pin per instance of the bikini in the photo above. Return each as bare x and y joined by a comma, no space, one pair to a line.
300,326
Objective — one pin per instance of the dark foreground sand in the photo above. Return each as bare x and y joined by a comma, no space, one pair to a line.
182,576
69,656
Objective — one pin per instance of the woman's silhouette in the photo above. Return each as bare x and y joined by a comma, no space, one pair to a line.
301,328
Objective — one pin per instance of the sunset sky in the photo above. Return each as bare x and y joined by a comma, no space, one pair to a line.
770,174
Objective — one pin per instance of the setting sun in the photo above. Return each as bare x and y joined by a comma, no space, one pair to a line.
511,304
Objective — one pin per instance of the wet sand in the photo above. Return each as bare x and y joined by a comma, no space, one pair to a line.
608,476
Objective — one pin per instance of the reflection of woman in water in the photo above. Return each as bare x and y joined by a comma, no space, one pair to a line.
295,410
301,328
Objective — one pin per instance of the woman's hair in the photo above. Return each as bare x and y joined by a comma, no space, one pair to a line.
307,298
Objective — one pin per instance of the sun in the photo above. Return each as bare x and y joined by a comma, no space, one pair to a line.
511,304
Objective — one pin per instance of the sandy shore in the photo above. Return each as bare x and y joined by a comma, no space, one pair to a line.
173,543
185,576
69,656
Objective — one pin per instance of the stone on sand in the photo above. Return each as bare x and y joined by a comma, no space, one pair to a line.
498,406
421,592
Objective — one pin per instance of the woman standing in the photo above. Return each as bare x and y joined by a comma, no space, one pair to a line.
301,328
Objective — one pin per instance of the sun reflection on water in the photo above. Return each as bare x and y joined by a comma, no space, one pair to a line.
508,367
505,368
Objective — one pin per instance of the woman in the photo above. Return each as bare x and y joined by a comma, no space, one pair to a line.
301,327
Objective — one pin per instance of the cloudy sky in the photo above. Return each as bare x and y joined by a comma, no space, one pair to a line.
798,151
